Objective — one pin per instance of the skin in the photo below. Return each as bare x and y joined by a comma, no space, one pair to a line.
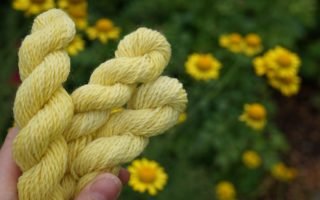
105,186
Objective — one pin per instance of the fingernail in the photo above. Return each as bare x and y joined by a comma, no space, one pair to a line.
107,187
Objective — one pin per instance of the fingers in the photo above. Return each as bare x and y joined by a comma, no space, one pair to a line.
9,171
104,187
124,176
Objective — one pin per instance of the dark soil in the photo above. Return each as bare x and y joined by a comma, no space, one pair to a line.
299,119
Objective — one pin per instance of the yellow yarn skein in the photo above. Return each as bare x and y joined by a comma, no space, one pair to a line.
154,108
42,108
97,141
141,57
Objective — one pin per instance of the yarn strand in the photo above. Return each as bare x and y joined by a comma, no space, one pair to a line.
42,108
111,86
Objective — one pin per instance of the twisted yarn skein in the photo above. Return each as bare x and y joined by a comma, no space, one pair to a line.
42,108
59,152
141,57
154,108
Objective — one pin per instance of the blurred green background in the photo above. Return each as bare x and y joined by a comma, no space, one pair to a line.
207,148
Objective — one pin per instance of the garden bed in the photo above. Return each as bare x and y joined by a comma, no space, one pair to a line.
299,119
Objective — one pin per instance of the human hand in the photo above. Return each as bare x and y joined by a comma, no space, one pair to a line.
104,187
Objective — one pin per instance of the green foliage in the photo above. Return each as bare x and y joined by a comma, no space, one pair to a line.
207,148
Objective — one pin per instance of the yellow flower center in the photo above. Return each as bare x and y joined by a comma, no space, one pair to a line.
204,63
75,1
104,25
286,80
235,38
256,112
38,1
253,40
284,60
147,175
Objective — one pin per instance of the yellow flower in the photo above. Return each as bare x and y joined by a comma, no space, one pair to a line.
76,45
254,116
69,3
283,62
33,7
225,191
251,159
182,118
283,173
288,85
234,42
79,13
203,66
252,44
104,30
281,67
147,176
261,66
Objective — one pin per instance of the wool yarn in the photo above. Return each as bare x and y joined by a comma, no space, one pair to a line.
140,57
65,141
153,109
42,108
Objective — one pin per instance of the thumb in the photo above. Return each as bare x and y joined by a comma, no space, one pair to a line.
104,187
9,171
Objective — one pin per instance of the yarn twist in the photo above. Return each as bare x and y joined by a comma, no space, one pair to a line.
42,108
154,108
141,57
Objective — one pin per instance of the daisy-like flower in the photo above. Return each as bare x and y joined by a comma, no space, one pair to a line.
288,85
283,61
281,67
254,115
203,66
251,159
147,176
76,45
182,118
78,13
261,65
234,42
69,3
104,30
225,191
283,173
252,44
33,7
